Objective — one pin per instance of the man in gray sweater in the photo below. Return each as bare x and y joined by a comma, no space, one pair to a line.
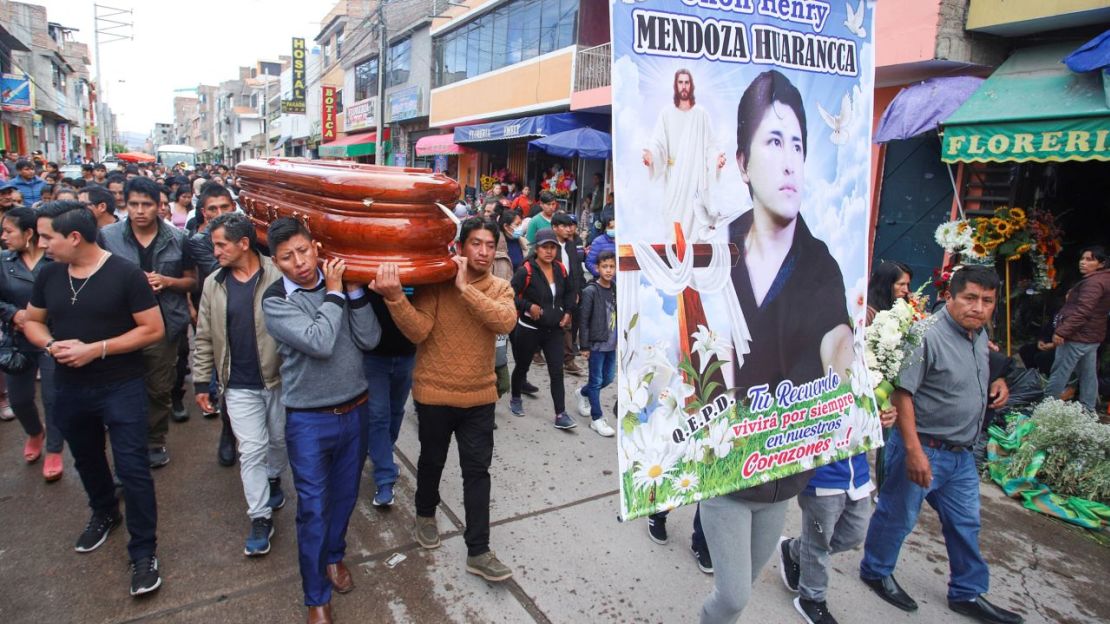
321,329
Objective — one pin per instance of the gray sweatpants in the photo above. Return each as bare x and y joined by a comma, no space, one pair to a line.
741,535
830,524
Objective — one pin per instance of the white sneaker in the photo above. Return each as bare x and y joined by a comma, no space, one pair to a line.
583,402
602,428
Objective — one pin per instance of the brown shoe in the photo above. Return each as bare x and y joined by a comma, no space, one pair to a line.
320,615
340,577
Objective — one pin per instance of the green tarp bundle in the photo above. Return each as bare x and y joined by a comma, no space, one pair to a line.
1035,495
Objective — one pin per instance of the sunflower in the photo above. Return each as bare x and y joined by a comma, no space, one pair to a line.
961,226
1017,213
978,249
1024,248
1003,228
994,242
996,221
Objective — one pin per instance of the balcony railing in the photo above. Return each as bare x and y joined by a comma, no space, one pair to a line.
592,68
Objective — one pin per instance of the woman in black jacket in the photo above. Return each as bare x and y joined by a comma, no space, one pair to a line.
544,302
19,266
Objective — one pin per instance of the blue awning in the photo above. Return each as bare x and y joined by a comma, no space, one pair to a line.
581,142
537,126
1093,55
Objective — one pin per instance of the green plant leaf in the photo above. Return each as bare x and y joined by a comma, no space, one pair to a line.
688,368
707,393
629,422
713,367
635,319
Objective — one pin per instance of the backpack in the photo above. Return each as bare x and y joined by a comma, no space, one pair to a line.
528,273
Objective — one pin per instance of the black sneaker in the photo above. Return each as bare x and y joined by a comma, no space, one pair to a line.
158,456
705,562
96,531
657,529
788,568
814,612
530,389
180,414
144,576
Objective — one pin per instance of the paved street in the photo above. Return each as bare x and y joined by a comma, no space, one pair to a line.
554,511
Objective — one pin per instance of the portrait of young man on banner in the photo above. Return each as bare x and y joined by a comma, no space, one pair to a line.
742,161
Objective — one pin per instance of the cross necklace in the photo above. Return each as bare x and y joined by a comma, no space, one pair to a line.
76,291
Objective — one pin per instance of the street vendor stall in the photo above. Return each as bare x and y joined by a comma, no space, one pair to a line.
1032,188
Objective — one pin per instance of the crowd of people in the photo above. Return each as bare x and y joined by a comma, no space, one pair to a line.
109,273
105,276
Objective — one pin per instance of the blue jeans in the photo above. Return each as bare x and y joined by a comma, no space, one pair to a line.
954,494
603,369
326,453
390,380
1082,358
83,413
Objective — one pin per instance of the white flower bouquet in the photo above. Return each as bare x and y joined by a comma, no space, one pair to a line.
889,341
956,236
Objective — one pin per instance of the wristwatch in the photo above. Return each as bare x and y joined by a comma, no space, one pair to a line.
48,345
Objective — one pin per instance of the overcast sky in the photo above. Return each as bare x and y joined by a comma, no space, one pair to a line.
180,44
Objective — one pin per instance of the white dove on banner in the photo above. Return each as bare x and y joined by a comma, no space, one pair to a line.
854,21
840,122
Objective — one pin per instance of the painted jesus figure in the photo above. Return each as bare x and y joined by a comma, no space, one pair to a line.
683,152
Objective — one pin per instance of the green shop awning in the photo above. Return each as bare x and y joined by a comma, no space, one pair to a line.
353,145
1032,109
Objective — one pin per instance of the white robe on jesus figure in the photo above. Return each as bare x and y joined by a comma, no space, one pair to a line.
684,154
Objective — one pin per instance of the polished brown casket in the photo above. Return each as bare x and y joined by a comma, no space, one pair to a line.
363,214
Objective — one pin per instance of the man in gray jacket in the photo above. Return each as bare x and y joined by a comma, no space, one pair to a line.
320,330
160,251
232,338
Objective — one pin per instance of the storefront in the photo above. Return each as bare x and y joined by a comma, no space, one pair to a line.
501,151
1034,136
443,153
357,147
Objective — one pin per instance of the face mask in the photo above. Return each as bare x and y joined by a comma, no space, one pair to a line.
611,233
518,232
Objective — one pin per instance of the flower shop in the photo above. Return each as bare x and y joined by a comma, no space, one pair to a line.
1031,145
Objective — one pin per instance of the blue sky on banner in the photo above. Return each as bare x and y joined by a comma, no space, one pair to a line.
837,176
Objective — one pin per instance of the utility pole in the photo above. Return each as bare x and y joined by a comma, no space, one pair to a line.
112,30
379,113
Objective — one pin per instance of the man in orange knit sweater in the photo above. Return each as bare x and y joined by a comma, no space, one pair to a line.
454,326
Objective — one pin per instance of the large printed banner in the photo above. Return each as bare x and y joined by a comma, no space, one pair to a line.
15,92
742,144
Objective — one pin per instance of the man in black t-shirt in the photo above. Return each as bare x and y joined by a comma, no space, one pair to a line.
101,313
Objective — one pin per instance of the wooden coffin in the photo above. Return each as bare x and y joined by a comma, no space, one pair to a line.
363,214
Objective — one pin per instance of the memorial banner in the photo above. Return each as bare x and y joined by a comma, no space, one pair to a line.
741,149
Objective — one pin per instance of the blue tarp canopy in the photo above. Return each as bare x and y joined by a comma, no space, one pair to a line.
581,142
537,126
1095,54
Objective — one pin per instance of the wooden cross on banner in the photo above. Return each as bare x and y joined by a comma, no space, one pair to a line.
691,313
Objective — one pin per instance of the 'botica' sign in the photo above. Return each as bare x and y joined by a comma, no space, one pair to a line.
1031,141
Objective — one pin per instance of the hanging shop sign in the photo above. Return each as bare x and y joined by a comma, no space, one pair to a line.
404,104
361,115
296,103
15,92
329,112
